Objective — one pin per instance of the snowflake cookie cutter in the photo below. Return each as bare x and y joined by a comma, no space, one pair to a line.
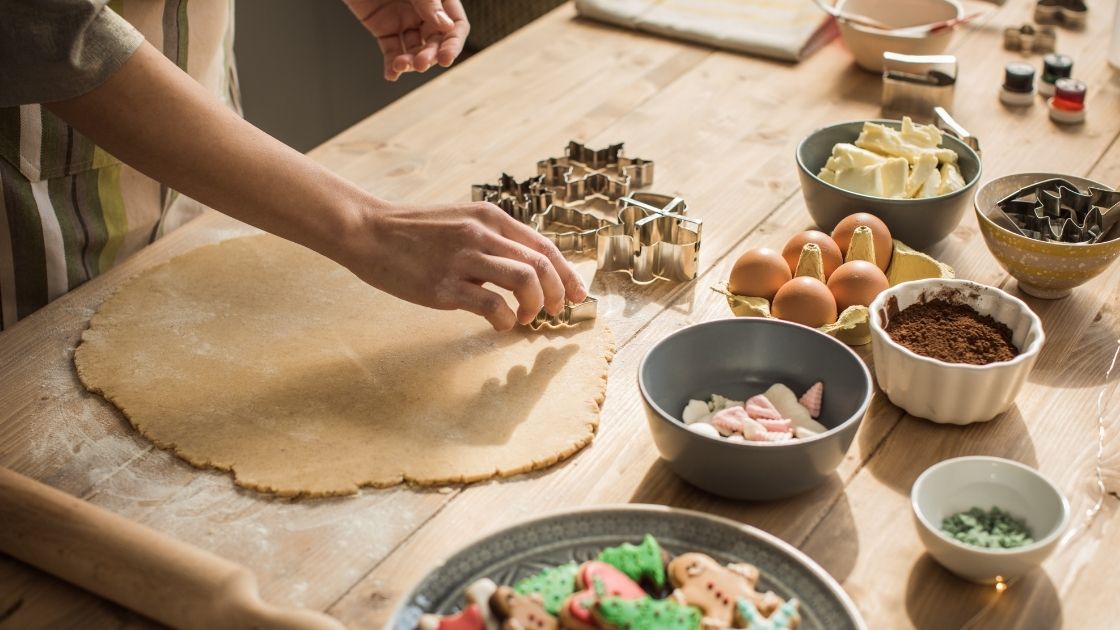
652,240
1057,210
582,173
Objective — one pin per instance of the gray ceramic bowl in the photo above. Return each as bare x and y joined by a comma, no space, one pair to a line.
917,222
523,549
739,358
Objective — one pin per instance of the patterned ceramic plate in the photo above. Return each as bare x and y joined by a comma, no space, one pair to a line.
524,549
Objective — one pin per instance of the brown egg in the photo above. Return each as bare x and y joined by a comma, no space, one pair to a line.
806,301
759,273
830,252
879,232
856,282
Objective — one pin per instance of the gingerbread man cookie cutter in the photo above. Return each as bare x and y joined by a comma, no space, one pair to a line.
653,239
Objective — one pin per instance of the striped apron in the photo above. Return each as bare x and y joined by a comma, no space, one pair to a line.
69,210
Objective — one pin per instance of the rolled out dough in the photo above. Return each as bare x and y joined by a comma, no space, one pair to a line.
265,359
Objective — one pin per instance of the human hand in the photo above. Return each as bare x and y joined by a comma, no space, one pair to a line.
441,257
414,35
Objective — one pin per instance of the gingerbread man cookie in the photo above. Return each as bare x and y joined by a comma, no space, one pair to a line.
700,581
615,613
644,562
599,580
476,616
521,612
554,585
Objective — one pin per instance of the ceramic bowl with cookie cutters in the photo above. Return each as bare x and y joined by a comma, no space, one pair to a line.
917,222
1044,269
738,358
953,393
959,484
852,325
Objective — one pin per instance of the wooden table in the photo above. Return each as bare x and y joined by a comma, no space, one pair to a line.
722,128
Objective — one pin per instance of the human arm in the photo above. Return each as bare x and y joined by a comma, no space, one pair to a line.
154,117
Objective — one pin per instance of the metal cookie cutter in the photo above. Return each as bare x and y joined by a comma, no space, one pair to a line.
1069,13
1030,39
653,239
570,315
915,84
521,200
582,173
1056,210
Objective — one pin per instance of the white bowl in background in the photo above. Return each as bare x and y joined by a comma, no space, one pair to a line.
867,45
953,393
957,485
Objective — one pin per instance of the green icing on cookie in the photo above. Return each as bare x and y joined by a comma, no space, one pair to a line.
638,562
784,618
647,614
554,585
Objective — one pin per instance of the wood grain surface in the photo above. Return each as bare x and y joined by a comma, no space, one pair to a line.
722,128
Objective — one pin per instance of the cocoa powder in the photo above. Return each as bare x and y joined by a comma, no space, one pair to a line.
951,332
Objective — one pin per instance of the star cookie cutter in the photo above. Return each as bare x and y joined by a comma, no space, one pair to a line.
1029,39
652,240
1069,13
1056,210
570,315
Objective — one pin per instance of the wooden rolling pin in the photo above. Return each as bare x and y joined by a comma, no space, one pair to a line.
136,567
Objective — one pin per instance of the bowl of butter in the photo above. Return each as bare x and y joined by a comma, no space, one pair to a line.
913,177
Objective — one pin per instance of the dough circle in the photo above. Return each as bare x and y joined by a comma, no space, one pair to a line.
260,357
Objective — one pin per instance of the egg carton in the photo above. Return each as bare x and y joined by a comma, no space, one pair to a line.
852,326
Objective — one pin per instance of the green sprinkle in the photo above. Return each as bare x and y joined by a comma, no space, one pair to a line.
992,529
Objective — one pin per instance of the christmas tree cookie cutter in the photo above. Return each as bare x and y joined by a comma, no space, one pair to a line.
570,315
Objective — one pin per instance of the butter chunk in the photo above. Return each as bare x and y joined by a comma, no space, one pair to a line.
950,179
894,174
864,180
926,165
927,136
890,142
845,155
932,186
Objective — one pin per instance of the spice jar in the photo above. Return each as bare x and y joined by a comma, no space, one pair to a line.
1067,106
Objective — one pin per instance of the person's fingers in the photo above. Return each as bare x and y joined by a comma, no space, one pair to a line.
432,12
426,57
391,49
511,228
411,40
452,44
551,285
475,299
517,277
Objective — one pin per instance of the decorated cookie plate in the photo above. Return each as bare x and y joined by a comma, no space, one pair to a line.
522,550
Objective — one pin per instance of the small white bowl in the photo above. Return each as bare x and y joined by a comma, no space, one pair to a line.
957,485
868,44
953,393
